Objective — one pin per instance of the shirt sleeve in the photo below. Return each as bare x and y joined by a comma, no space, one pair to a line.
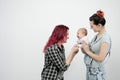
55,57
106,39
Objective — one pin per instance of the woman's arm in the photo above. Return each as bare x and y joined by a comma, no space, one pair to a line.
101,56
73,52
55,57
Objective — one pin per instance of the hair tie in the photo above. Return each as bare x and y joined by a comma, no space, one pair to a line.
100,13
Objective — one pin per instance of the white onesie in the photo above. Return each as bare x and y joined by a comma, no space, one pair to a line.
79,41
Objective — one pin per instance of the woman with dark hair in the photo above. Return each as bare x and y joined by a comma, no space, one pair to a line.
55,62
97,51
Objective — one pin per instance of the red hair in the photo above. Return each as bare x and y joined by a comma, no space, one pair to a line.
58,34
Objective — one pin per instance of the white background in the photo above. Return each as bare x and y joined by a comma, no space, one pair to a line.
25,26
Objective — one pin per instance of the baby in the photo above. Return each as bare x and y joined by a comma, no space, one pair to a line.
82,36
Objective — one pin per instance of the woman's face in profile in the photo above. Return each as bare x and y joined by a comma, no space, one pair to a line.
93,26
66,37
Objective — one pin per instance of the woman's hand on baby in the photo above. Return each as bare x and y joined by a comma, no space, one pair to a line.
85,47
75,49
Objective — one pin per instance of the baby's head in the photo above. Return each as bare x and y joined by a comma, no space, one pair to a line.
81,33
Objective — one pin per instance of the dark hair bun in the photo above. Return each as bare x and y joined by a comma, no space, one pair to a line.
100,13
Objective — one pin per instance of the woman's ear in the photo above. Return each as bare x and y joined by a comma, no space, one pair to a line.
99,25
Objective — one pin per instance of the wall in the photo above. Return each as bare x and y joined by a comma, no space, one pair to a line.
25,26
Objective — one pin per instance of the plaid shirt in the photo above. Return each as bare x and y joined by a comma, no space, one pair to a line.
54,63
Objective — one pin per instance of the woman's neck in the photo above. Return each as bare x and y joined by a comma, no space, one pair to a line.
59,44
101,32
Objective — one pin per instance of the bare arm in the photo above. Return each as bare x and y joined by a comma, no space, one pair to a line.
73,52
102,53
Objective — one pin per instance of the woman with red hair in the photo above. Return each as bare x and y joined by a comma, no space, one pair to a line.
55,62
